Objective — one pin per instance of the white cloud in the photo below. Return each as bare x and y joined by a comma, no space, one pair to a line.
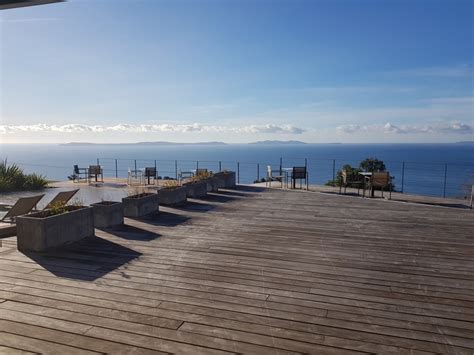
152,128
270,129
388,128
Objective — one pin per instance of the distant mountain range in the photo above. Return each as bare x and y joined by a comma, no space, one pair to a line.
278,142
144,143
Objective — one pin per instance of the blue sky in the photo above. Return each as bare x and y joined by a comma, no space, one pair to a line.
238,71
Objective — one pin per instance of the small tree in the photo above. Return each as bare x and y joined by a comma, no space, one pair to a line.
352,175
372,165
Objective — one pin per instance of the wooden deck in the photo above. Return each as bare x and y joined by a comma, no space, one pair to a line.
252,271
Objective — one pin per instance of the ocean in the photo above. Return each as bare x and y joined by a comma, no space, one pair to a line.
425,169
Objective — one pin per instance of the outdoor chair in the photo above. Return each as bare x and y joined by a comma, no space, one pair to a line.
80,174
380,180
150,172
270,176
62,198
96,171
134,176
351,181
299,173
184,175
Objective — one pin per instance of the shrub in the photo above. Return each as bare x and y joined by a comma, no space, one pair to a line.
204,175
352,175
12,178
35,182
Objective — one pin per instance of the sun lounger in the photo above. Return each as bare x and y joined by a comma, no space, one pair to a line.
23,206
61,198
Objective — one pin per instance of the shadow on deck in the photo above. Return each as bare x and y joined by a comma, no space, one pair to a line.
128,232
165,219
86,260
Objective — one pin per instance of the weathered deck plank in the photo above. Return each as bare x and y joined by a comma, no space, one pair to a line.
252,271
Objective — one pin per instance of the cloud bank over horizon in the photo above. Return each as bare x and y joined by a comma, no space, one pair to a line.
235,134
389,128
152,128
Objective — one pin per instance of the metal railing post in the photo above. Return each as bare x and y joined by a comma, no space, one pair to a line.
135,165
403,175
238,173
258,172
445,176
333,169
116,169
220,166
98,161
197,164
155,164
281,165
176,169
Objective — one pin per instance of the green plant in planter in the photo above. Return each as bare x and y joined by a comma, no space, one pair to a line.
58,208
204,175
197,178
171,184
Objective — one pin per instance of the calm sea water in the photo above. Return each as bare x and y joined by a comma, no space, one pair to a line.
418,168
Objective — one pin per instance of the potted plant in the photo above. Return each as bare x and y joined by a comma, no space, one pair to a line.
172,194
196,188
225,179
211,181
140,204
54,227
107,214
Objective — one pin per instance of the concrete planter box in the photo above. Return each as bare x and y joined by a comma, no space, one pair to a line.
226,179
173,197
212,184
140,205
196,189
107,214
40,231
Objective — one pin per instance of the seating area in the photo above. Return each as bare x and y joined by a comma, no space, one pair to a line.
288,177
352,180
143,176
274,175
92,173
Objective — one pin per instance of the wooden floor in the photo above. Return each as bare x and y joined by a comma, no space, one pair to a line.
252,271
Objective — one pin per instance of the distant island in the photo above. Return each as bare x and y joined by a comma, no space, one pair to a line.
144,143
278,142
268,142
465,142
